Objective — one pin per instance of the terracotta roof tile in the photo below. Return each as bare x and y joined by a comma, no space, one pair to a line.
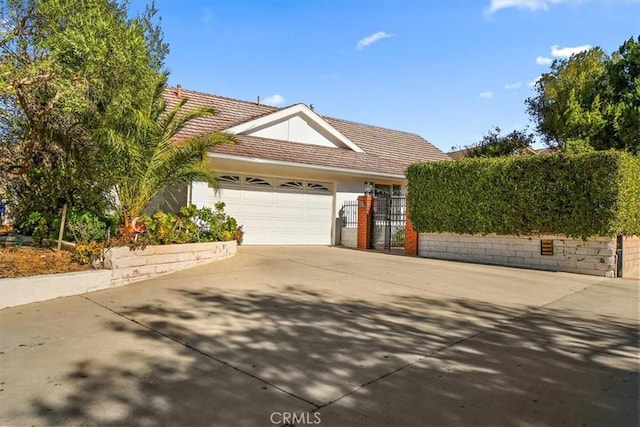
385,150
229,112
344,158
403,147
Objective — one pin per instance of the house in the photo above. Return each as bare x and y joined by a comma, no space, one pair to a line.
291,169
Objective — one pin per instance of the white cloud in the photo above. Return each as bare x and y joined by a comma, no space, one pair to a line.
543,60
372,39
486,94
513,85
566,52
532,5
274,100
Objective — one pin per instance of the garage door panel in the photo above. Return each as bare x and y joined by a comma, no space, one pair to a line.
315,213
228,195
278,217
257,209
258,197
291,212
288,198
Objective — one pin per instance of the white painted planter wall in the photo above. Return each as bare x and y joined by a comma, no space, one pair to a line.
132,266
122,266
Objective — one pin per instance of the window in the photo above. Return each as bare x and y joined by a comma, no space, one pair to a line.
231,179
318,188
392,190
291,185
257,182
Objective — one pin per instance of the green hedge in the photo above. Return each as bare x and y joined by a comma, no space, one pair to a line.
576,195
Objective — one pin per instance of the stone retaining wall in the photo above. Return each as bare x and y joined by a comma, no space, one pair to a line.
131,266
122,266
595,256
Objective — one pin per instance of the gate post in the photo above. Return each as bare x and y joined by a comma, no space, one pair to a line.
411,235
365,204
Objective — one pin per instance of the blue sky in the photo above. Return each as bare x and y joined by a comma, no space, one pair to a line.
448,70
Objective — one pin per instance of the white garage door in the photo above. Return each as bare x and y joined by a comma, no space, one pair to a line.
276,211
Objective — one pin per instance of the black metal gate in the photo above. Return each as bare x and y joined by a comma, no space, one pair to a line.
389,216
619,255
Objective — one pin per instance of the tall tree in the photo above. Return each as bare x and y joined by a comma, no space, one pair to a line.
624,79
67,69
571,100
495,144
591,99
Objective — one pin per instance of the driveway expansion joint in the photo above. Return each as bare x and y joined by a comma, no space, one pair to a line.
207,355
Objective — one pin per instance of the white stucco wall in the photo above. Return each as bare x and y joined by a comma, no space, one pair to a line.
347,190
297,129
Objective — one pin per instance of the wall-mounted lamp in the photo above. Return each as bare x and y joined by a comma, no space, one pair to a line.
368,188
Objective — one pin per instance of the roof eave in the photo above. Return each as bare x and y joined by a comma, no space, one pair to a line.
347,171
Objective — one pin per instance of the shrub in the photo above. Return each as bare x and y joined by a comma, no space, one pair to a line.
85,227
39,226
189,225
578,195
89,253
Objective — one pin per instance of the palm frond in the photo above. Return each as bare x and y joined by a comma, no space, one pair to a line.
153,159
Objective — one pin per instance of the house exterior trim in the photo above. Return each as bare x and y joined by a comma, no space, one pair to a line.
355,172
245,127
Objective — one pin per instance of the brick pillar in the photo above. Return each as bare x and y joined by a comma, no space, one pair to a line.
365,204
411,235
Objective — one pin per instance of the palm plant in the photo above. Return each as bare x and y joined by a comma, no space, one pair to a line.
149,158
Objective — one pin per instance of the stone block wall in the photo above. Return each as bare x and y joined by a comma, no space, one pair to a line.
631,257
595,256
349,237
131,266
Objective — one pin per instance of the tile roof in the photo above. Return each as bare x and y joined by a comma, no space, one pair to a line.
403,147
385,151
341,158
229,112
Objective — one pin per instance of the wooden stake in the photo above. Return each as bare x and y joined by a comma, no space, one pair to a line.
64,217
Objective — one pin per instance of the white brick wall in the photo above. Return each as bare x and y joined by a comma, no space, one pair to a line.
595,256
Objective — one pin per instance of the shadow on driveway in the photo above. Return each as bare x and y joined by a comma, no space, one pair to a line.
408,361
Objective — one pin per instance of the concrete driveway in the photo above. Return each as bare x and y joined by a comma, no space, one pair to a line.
363,339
